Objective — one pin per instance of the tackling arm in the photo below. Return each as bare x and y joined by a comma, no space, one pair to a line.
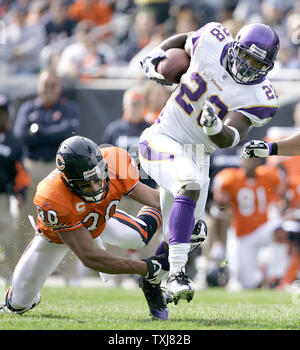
289,146
81,243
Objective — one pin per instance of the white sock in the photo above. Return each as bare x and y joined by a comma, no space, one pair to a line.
178,256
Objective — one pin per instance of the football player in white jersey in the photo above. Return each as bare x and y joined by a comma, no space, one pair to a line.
223,93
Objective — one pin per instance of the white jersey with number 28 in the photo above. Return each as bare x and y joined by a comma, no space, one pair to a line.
205,79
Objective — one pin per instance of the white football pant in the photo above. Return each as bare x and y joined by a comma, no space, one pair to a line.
42,257
173,165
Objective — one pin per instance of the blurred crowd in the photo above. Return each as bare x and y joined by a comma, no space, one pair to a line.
65,40
87,39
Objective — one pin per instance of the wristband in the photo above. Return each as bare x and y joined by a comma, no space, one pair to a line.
273,148
237,138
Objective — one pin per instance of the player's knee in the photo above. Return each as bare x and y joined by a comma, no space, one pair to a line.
153,221
190,190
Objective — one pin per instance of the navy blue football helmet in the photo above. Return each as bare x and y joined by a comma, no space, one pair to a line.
80,161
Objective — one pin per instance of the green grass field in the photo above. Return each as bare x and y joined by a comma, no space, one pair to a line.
73,308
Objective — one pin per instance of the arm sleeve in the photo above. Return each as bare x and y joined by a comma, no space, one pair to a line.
259,116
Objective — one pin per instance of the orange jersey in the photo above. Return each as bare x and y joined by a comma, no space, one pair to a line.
293,192
249,198
98,12
59,209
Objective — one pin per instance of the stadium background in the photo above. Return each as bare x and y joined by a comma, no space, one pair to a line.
100,100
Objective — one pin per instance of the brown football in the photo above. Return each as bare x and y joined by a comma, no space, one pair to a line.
175,64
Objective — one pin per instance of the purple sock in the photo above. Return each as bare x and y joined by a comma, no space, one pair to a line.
161,249
181,221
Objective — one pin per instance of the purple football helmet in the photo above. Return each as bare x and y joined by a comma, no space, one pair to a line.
258,41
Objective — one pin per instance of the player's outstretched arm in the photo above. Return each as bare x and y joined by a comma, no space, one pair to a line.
81,243
224,135
289,146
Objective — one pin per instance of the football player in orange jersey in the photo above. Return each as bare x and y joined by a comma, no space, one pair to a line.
248,191
76,205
